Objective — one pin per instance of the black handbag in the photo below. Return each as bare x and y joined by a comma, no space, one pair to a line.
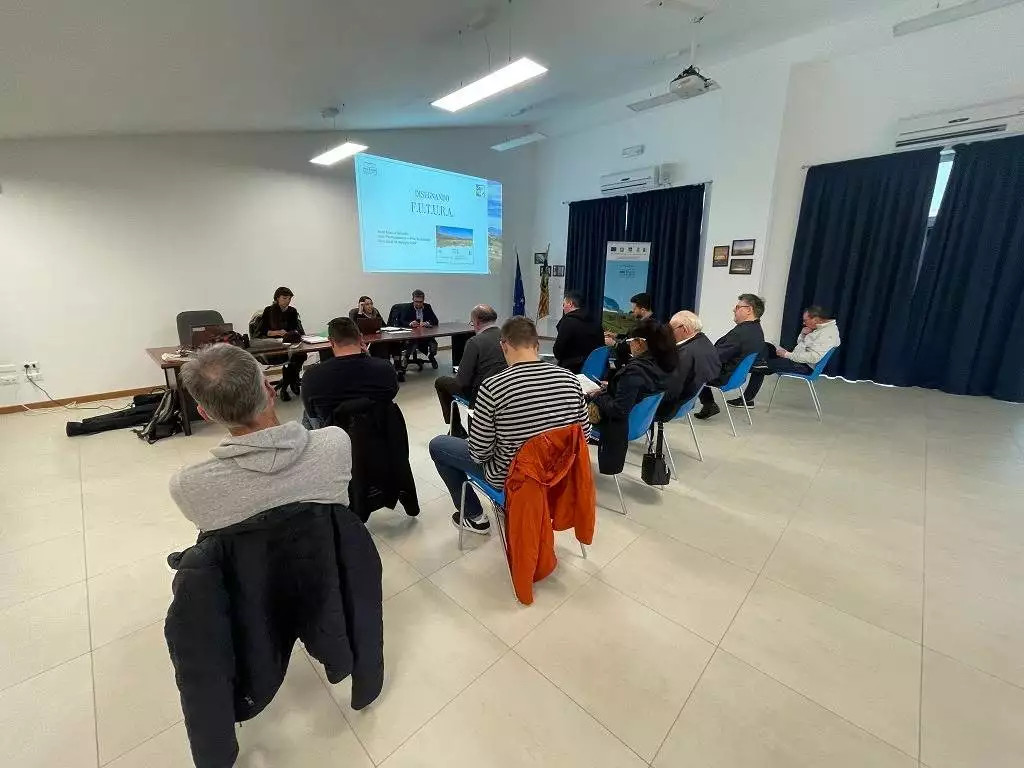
654,470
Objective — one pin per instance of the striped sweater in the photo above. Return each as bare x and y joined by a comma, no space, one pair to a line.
519,403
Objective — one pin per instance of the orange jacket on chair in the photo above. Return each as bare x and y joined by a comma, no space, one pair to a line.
549,488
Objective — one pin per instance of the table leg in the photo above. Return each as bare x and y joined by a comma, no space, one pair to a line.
186,425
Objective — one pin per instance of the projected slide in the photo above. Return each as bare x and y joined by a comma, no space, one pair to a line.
418,219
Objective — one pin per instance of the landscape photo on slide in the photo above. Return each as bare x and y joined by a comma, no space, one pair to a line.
494,213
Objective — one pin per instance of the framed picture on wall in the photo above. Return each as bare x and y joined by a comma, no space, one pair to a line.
540,258
741,266
558,270
720,256
743,247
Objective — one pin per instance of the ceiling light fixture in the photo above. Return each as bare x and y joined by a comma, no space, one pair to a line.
949,15
509,76
339,153
521,141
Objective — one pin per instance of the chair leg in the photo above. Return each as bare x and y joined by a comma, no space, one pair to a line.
696,442
728,412
746,408
814,397
583,550
499,523
462,513
451,416
671,460
778,380
619,489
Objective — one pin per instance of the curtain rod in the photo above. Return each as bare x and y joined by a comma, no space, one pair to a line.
695,184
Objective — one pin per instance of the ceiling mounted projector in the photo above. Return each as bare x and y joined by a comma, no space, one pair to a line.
691,82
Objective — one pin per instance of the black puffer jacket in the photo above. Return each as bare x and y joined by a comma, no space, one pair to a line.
640,377
244,594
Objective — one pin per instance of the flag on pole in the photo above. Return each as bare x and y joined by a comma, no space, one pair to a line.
543,308
519,297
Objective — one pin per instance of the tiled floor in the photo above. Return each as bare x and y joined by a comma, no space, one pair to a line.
840,594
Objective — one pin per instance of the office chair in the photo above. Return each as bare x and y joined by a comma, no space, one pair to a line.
193,319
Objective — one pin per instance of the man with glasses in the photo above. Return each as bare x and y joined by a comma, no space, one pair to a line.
482,358
698,360
745,338
525,399
419,314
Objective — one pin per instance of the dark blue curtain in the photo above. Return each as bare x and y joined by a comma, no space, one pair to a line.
857,251
592,223
670,220
969,302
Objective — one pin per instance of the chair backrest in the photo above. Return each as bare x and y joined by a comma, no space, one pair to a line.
820,367
641,417
596,363
740,374
194,318
395,313
688,406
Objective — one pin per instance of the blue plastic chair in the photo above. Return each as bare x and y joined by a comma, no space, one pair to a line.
641,420
458,401
736,382
810,378
497,499
596,363
685,410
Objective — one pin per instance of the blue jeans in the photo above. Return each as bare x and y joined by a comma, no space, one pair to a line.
452,459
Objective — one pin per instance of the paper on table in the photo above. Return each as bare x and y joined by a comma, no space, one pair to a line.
392,329
588,384
314,339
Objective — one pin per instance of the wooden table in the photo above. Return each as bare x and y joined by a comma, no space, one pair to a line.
459,333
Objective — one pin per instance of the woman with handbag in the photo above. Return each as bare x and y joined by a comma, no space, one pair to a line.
281,320
648,370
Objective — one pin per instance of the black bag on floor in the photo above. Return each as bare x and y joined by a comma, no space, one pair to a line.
165,421
138,414
654,470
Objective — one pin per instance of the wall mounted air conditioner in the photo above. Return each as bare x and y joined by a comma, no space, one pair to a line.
626,182
983,121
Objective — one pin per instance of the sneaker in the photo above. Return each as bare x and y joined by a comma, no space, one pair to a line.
738,403
707,412
479,525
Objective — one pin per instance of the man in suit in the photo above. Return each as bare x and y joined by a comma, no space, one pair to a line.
481,359
698,359
745,338
577,336
418,314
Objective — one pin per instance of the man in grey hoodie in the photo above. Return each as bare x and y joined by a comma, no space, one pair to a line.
262,463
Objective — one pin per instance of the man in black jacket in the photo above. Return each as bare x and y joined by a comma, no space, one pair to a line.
481,359
578,335
698,362
418,314
744,339
350,374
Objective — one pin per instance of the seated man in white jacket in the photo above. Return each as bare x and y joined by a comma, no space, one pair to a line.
818,336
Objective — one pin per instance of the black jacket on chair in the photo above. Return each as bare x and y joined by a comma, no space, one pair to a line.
244,594
743,339
698,364
381,474
637,379
577,337
403,315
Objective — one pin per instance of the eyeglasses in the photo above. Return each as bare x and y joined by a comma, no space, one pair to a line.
742,306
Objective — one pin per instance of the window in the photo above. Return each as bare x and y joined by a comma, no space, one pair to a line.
941,181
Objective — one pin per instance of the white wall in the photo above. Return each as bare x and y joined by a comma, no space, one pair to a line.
829,95
105,240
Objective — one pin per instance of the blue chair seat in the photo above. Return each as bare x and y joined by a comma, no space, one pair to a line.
737,381
809,378
493,494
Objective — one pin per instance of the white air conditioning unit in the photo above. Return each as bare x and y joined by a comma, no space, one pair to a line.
626,182
983,121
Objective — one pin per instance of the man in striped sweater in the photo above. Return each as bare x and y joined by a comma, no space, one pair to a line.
527,398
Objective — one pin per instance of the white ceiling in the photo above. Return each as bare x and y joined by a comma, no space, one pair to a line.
141,66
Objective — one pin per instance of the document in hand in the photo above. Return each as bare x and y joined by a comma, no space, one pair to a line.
588,384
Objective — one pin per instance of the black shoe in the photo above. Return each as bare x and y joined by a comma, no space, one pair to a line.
707,412
479,525
296,387
400,375
433,362
284,394
738,403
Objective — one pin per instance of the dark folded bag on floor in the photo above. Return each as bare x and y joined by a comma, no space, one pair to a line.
142,410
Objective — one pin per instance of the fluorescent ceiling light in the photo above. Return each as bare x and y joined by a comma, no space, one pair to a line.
500,80
949,15
522,141
339,153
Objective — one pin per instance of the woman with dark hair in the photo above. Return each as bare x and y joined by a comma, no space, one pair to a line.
281,320
648,370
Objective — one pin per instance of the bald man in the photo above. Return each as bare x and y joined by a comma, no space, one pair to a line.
698,360
481,359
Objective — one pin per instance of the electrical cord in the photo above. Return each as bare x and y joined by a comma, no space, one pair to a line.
74,406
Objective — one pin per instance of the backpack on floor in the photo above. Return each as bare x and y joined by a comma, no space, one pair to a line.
166,419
